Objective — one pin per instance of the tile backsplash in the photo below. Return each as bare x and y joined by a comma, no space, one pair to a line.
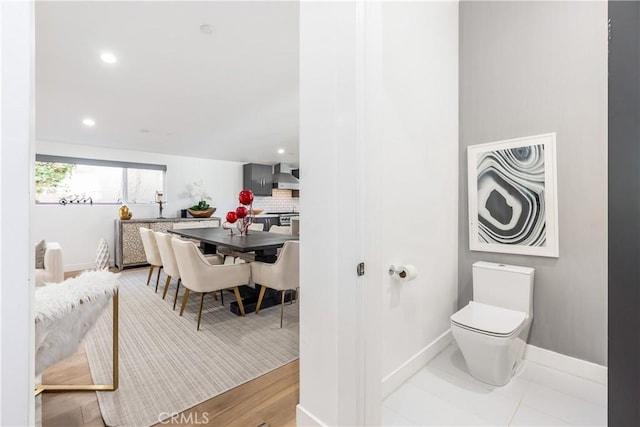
280,201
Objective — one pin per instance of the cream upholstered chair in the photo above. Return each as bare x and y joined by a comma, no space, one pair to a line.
280,229
152,253
169,264
245,256
200,276
53,271
282,275
256,226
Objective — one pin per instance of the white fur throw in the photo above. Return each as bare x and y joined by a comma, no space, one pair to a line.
66,311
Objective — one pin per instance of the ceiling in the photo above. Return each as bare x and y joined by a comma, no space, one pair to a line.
229,95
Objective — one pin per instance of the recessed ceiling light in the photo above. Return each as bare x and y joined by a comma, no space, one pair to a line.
109,58
281,151
88,122
206,28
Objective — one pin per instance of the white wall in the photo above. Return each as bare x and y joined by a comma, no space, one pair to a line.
379,150
419,175
78,228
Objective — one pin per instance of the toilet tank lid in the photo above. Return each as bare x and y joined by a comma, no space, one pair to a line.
489,318
504,267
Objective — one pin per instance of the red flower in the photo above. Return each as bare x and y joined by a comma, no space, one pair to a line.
246,197
232,217
241,211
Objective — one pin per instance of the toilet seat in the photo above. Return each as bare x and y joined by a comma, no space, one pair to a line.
488,319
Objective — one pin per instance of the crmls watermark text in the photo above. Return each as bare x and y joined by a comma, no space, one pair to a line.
182,418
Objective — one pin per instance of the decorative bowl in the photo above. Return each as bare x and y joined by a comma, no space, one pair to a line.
257,211
202,214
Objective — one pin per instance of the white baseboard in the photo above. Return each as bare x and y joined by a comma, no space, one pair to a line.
83,266
79,267
305,418
570,365
415,363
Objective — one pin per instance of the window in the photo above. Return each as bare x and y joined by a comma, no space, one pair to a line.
142,185
74,180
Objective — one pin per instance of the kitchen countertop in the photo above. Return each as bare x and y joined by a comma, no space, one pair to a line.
275,214
167,219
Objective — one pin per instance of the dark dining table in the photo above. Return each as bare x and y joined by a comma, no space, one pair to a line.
264,244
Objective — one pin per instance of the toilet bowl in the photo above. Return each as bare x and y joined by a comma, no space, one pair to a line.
491,339
492,330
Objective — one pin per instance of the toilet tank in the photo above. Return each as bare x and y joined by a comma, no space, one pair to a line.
502,285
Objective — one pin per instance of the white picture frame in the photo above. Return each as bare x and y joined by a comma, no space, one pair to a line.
513,206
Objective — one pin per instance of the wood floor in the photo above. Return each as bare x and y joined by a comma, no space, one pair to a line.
270,399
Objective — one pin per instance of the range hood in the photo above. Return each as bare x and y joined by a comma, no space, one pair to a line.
282,178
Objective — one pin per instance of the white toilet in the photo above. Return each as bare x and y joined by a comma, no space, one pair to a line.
492,330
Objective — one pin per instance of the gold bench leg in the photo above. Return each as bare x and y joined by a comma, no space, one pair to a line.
60,388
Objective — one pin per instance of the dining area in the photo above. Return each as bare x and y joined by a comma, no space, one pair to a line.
260,269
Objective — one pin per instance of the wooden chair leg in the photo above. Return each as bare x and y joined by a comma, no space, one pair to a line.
175,299
282,309
215,296
150,273
158,278
260,296
200,311
166,287
240,305
184,300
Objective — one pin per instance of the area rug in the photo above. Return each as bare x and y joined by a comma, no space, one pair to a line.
166,366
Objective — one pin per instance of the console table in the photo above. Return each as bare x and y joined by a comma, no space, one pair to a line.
129,251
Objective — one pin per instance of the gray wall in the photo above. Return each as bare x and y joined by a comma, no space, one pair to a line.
528,68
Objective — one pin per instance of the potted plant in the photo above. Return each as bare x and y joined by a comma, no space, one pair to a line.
202,209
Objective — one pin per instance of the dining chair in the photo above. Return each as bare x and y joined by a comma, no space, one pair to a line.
199,276
151,252
283,275
246,256
170,265
280,229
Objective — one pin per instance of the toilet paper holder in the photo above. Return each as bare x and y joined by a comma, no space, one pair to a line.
393,270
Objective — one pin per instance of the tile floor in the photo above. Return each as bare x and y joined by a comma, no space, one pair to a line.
444,394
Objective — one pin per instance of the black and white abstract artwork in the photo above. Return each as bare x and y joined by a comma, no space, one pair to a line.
512,203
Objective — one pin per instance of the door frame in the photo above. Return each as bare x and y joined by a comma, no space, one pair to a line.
17,125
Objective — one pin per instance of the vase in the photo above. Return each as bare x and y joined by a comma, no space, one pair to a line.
202,214
102,255
124,212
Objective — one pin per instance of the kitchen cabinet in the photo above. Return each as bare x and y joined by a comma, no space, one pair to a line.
258,178
128,243
296,173
268,221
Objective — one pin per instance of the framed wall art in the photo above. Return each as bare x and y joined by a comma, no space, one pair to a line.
513,205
